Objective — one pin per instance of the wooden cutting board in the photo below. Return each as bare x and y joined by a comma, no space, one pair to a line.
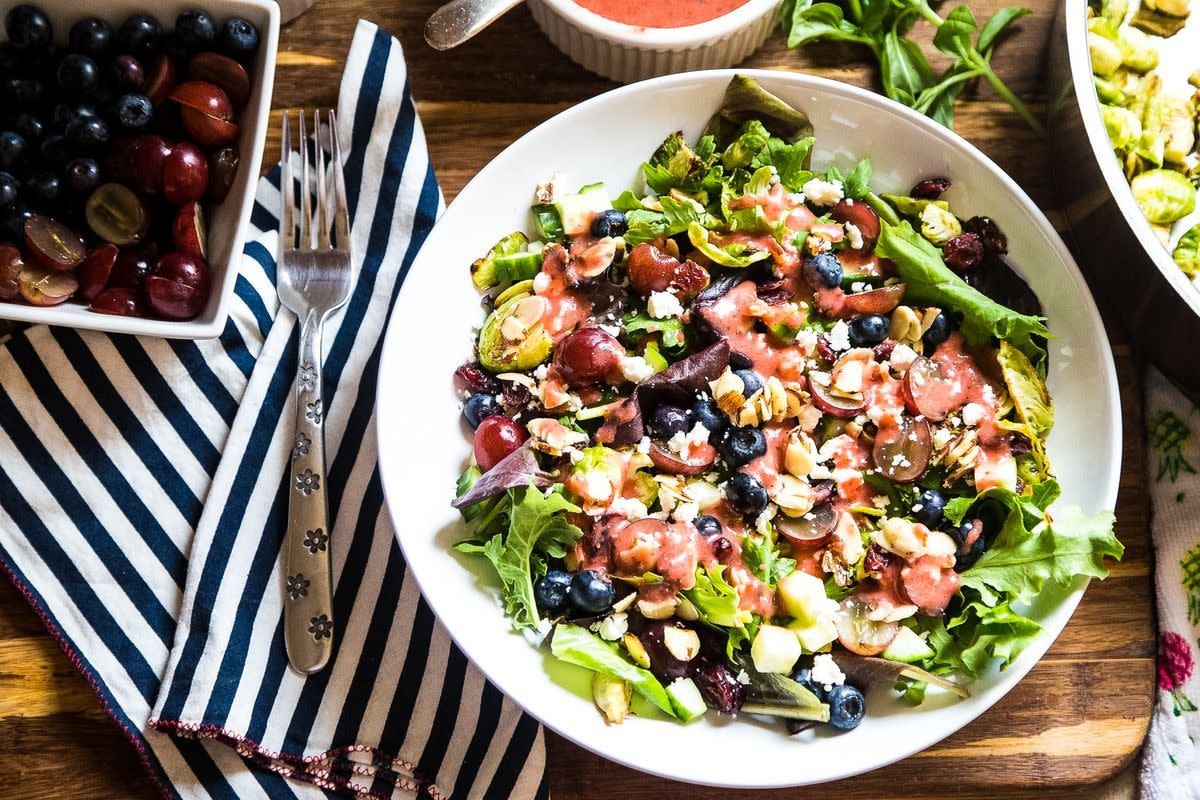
1076,721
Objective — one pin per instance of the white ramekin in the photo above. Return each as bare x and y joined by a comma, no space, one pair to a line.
629,53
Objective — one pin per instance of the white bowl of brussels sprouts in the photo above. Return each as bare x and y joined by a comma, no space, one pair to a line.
1124,157
422,448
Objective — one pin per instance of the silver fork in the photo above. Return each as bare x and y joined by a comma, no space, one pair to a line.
314,276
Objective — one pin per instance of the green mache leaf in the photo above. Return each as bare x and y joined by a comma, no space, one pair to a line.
746,100
858,183
953,37
996,25
809,22
791,161
644,226
637,325
537,524
576,645
929,281
765,561
751,138
627,201
716,601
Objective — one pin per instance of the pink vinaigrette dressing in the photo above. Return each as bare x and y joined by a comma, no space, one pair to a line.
663,14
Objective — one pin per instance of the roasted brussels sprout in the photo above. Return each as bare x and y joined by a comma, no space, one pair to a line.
1123,126
1164,195
483,271
513,338
1114,10
1168,129
1138,52
938,224
1106,54
1172,8
1187,253
1109,92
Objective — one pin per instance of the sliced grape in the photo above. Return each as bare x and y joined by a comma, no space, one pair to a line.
41,287
96,269
116,215
902,450
928,392
222,170
860,634
808,529
52,244
207,130
185,174
188,231
835,405
861,216
205,97
223,72
11,264
161,80
876,301
118,302
699,459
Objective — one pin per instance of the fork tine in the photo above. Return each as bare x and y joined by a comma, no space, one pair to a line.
287,216
321,212
341,217
306,232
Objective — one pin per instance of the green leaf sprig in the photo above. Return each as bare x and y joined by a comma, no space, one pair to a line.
883,26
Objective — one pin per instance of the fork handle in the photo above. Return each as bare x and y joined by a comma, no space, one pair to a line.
308,591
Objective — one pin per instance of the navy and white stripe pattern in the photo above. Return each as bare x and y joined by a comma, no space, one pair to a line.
143,504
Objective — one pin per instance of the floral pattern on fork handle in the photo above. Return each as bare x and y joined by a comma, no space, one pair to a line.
308,598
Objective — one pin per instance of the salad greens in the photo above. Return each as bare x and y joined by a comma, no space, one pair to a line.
578,646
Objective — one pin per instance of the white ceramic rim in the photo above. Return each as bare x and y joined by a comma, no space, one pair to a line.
390,430
662,38
1093,123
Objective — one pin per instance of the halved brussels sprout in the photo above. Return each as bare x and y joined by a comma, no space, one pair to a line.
513,338
1106,54
1187,252
1027,389
1109,91
1168,129
1138,52
1114,10
938,224
1164,195
1124,128
483,270
1172,8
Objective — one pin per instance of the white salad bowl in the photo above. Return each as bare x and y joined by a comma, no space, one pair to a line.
630,53
424,445
228,220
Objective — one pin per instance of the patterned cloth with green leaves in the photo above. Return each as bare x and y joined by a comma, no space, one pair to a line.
1171,765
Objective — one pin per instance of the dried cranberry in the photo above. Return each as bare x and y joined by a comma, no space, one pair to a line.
824,349
719,688
774,293
989,232
930,188
821,492
722,548
964,252
651,270
514,395
876,561
1019,444
883,350
476,380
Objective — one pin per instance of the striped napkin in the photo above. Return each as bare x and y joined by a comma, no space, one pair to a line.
143,502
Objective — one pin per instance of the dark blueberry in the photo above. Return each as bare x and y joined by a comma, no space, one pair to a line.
77,73
127,73
719,688
932,503
846,707
83,175
938,332
609,223
140,36
12,149
43,188
12,222
590,592
868,330
90,36
708,525
668,421
24,92
10,188
751,379
66,113
55,149
479,407
239,38
87,132
550,591
134,111
745,494
803,676
823,270
196,30
971,543
705,411
30,126
742,445
27,26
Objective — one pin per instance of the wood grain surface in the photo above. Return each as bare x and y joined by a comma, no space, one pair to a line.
1074,723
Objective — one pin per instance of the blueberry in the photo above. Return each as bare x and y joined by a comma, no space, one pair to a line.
10,188
139,36
705,411
29,126
824,269
196,30
77,73
127,73
803,676
742,445
24,92
745,494
87,132
134,111
751,379
43,188
971,543
239,38
938,332
479,407
868,330
708,526
90,36
28,27
590,592
609,223
550,591
932,503
83,175
55,149
846,707
668,421
12,149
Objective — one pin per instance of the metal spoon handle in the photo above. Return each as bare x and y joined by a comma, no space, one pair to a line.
459,20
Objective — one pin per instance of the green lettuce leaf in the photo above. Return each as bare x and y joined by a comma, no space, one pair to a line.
978,634
716,601
578,646
791,161
750,139
929,281
637,325
675,165
765,561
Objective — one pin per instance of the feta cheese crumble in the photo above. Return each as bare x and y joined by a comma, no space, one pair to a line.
635,369
823,193
629,507
972,413
643,447
682,443
662,305
839,336
826,672
853,235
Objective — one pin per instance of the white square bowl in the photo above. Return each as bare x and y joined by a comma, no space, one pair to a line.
226,221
